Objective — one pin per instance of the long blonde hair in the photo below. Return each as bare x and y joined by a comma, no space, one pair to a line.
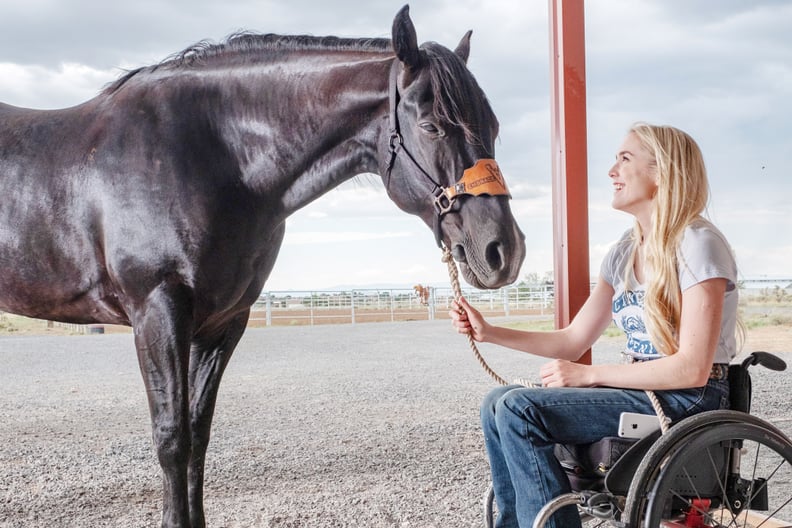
682,196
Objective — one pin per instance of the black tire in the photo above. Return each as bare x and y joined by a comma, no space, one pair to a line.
663,486
652,461
490,513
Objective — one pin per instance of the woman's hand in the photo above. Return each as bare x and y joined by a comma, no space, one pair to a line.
468,320
562,373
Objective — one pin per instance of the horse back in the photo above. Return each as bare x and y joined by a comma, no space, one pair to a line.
100,204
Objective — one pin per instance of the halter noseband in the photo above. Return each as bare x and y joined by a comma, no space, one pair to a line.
484,177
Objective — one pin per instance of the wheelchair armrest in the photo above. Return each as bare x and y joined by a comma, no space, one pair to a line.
766,359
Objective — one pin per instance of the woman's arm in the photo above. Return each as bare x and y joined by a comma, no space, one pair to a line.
568,343
702,308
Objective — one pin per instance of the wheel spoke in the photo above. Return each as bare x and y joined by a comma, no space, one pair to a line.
719,476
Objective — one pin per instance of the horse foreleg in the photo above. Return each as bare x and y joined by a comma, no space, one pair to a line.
163,327
208,360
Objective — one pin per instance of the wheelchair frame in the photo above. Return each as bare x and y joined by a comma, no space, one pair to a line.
691,476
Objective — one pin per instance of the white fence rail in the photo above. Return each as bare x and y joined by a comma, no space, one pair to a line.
369,305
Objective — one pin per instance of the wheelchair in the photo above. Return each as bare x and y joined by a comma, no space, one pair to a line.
716,469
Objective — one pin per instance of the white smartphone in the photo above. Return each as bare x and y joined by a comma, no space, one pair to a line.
634,425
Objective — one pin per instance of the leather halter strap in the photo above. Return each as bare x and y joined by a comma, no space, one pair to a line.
484,177
395,139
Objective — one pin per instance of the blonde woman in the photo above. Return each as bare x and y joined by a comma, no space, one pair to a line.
669,283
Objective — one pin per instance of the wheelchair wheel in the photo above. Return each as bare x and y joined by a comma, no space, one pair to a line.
586,520
716,469
583,502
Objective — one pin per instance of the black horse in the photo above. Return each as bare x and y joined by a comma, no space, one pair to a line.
161,203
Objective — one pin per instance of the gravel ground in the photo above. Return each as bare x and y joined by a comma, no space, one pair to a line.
369,425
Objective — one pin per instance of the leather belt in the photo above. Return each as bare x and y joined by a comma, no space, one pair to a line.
720,371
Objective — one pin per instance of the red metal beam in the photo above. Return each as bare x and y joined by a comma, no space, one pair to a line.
569,153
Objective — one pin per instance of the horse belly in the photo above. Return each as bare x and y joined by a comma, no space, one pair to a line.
50,271
61,293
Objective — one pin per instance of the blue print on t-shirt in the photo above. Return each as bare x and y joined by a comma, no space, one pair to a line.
628,316
640,347
628,298
632,324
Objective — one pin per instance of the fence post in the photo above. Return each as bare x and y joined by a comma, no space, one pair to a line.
352,304
267,308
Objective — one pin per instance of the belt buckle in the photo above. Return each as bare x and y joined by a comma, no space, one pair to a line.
719,372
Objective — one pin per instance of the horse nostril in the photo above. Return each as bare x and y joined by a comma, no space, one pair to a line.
494,255
459,253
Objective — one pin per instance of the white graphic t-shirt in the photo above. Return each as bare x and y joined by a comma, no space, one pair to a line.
703,254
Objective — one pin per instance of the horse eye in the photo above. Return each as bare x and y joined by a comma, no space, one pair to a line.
431,129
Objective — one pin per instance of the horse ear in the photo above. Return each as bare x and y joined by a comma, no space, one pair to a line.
405,41
463,49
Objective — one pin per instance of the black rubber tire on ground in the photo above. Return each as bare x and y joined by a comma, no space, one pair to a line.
766,453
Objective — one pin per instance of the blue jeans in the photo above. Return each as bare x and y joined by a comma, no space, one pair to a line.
522,425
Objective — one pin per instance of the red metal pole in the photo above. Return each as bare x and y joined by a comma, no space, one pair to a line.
568,143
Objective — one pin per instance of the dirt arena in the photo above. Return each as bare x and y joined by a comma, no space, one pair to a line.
367,425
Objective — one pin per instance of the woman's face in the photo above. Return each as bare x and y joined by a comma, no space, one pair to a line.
634,177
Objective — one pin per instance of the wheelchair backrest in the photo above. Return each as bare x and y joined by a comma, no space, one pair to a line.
740,379
739,388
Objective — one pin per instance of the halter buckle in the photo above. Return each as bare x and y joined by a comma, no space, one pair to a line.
443,201
395,142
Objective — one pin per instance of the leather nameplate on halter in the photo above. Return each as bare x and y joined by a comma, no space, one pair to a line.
482,178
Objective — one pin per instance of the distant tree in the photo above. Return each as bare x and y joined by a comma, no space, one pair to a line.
534,278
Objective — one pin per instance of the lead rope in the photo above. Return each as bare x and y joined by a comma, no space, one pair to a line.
665,421
453,274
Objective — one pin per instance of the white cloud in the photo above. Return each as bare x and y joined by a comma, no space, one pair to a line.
36,86
773,261
336,237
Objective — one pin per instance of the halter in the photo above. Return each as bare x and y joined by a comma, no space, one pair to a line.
484,177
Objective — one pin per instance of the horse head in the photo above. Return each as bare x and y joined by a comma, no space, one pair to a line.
440,162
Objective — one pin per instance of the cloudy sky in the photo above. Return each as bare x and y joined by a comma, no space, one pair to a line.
719,69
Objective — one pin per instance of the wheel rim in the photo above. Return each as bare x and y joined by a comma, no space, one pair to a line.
689,469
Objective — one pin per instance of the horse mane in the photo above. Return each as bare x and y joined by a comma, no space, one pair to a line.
246,42
249,42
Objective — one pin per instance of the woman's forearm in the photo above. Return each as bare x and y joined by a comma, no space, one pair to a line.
556,344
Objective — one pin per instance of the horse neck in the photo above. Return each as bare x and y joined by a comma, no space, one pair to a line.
301,127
